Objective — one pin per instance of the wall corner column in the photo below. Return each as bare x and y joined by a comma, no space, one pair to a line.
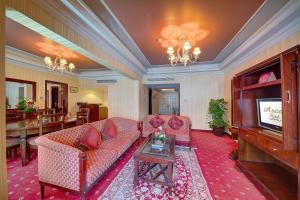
3,169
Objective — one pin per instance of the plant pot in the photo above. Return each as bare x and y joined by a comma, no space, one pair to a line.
218,131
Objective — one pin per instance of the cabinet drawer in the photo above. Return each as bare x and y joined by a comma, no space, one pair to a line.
272,146
248,136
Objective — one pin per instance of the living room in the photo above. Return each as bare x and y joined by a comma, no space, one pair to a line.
142,79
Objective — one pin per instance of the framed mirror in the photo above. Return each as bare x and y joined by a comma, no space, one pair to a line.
17,89
56,94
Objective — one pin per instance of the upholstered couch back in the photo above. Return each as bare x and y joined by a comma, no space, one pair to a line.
69,136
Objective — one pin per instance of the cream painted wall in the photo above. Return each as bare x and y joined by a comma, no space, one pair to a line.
19,72
260,56
91,92
195,92
123,99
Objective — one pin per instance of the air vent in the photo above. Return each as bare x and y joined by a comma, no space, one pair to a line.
106,81
161,79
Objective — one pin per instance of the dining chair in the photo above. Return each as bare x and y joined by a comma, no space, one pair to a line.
12,145
83,116
47,123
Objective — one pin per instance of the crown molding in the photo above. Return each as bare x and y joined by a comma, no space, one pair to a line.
24,59
283,24
181,70
104,75
258,19
96,31
128,39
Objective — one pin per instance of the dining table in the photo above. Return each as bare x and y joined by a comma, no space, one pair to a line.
29,128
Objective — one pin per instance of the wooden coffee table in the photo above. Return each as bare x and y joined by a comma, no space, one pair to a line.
150,164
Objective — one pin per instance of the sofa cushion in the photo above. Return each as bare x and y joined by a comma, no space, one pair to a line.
121,142
90,138
110,129
98,161
175,123
156,121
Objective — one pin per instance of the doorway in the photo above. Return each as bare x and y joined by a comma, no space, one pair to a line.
164,99
56,96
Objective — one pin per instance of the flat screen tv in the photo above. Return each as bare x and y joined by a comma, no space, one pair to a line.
270,113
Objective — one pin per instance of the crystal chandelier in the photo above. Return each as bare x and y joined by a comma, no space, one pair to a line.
59,64
185,57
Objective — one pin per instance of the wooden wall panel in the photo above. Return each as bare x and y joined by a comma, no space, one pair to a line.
3,172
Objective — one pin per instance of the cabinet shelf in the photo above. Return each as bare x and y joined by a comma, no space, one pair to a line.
260,85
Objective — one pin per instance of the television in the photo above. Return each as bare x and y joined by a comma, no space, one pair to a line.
269,112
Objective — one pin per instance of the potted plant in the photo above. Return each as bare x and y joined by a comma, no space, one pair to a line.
29,108
216,112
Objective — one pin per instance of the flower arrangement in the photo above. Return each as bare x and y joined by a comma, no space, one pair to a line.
27,105
160,136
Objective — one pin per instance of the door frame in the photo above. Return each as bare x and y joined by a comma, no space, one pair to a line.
64,85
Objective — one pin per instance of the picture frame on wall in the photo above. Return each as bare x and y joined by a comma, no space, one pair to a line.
73,89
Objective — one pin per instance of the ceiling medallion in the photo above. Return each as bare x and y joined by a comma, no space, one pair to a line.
182,38
59,63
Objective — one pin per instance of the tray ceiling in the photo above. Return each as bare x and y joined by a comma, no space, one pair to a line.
22,38
145,20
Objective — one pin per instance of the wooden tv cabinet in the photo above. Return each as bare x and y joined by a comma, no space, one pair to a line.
260,149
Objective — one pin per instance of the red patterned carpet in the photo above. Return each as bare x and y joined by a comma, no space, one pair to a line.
223,178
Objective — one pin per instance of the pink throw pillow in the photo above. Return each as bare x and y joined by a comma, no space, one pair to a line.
175,123
156,121
110,129
90,139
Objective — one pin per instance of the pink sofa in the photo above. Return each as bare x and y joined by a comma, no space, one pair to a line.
181,135
62,165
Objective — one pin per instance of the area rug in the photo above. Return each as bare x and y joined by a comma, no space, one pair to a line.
189,182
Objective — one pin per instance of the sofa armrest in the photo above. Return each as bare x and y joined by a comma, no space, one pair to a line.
60,164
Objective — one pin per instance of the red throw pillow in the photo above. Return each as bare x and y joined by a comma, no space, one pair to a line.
90,139
175,123
110,129
156,121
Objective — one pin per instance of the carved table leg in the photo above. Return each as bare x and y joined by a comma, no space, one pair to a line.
170,177
23,146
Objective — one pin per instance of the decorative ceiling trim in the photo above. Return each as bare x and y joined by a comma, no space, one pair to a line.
257,20
24,59
103,75
31,24
97,32
265,12
131,43
184,70
284,23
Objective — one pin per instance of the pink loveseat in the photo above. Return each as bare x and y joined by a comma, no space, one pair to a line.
182,134
62,165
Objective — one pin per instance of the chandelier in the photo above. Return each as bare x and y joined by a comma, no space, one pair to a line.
58,64
183,54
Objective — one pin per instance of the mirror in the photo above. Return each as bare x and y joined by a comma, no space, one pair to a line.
56,96
17,90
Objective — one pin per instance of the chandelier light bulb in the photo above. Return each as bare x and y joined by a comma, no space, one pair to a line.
170,50
197,51
186,46
71,66
48,60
